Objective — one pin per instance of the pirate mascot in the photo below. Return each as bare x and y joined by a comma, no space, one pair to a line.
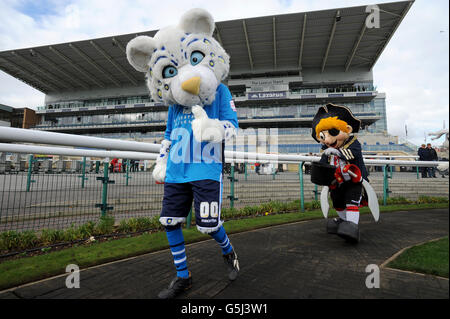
341,170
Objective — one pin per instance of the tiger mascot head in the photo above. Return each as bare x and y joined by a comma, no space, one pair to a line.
184,64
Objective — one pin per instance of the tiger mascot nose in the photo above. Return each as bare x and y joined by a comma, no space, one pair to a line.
192,85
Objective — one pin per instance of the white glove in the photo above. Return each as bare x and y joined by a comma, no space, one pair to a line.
159,172
210,130
332,151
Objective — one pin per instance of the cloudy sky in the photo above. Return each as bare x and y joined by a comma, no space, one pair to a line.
413,70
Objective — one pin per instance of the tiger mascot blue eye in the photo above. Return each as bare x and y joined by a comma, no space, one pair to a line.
196,57
169,71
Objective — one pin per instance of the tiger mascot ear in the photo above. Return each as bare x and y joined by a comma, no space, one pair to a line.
197,21
139,52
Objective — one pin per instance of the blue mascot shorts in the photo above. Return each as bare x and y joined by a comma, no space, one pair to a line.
207,196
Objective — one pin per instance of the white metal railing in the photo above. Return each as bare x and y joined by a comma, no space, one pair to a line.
140,150
33,136
44,150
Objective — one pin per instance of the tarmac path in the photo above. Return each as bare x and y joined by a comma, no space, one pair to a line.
292,261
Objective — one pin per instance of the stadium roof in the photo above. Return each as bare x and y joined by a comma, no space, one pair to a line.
263,46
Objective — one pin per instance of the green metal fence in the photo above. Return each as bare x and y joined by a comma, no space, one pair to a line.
35,197
293,182
37,194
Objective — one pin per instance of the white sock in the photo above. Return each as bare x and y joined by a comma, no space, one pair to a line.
342,214
353,217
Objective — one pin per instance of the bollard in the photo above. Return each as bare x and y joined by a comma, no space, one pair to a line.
302,196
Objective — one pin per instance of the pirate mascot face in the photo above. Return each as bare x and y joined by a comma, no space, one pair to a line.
333,125
341,170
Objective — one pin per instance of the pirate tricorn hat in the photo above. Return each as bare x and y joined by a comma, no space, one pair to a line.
343,113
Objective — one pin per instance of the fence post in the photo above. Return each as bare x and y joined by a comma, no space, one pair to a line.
302,196
385,184
127,169
232,181
83,172
30,170
105,181
316,191
189,219
245,171
105,188
417,171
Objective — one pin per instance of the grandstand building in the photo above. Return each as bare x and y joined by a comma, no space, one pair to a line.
283,68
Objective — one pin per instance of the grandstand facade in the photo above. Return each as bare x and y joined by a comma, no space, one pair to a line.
283,68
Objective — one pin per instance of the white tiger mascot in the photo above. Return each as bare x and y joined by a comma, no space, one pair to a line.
184,66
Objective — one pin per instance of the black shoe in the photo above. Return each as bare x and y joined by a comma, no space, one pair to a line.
232,262
333,224
176,287
349,231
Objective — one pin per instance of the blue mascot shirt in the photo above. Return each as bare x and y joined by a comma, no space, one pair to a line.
190,160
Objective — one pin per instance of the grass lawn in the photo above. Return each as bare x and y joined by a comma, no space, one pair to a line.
429,258
19,271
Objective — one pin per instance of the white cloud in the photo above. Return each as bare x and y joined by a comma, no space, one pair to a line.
412,71
18,94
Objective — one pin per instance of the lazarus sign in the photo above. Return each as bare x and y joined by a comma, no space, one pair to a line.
267,95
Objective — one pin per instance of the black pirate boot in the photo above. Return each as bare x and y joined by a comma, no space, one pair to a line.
349,231
333,224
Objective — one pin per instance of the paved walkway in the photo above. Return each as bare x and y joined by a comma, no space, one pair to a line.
284,262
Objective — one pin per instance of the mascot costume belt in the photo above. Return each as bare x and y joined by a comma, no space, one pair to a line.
184,67
341,170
